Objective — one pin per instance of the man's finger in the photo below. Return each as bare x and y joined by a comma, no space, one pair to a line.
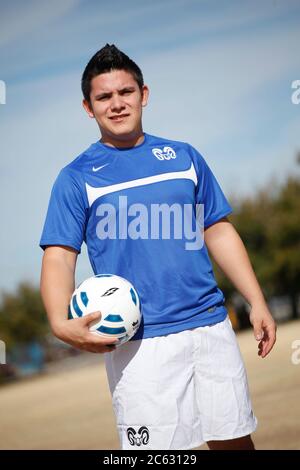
96,339
257,330
268,346
91,317
268,340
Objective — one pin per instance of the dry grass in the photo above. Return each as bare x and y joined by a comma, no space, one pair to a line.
72,409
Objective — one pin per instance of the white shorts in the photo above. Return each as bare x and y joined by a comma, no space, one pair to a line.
180,390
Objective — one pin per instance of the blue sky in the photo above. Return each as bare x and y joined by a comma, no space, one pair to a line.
219,72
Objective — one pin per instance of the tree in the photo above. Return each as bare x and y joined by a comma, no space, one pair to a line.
284,241
22,317
268,223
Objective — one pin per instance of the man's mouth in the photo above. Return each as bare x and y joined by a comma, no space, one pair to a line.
118,117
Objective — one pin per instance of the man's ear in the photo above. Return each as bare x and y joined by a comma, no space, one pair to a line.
145,95
87,106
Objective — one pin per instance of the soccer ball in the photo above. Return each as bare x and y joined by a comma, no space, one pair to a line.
115,298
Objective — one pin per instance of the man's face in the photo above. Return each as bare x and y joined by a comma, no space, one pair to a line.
116,103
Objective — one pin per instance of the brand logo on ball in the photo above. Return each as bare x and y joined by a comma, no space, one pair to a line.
110,291
138,438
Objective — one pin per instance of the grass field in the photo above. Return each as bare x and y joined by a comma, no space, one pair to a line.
70,407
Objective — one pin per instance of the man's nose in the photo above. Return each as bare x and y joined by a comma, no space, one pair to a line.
117,103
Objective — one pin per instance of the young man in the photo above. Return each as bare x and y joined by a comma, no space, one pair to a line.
181,380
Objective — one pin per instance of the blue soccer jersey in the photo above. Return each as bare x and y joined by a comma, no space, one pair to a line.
137,210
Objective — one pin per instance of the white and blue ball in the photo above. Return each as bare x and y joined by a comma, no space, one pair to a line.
115,298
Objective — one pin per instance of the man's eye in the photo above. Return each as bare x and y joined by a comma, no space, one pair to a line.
102,98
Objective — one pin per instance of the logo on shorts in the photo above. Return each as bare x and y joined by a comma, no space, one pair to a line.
138,438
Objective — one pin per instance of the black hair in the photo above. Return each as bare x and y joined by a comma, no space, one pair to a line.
105,60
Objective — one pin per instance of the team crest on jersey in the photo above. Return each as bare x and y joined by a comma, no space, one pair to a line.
165,154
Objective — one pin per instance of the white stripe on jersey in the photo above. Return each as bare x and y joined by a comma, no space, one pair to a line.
95,193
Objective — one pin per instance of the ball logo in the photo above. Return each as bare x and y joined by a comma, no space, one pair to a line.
138,438
110,291
166,154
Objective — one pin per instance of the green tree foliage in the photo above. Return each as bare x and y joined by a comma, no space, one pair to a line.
22,316
268,224
284,242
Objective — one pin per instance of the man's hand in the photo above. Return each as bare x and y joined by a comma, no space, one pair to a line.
264,328
76,333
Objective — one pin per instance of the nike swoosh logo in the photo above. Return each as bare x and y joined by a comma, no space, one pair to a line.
99,167
94,193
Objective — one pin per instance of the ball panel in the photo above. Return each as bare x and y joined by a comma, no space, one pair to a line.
111,330
84,298
75,309
113,318
70,316
133,296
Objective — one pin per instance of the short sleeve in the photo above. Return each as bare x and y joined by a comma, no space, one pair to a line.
66,216
209,192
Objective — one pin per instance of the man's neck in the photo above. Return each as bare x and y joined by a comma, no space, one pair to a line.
125,142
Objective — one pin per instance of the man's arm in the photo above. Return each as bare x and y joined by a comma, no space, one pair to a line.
57,286
229,252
